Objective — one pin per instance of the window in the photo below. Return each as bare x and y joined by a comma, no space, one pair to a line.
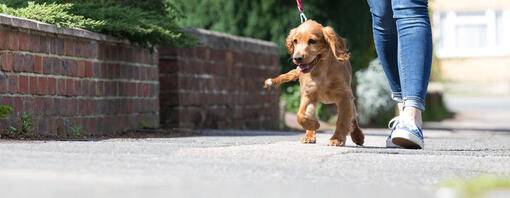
472,33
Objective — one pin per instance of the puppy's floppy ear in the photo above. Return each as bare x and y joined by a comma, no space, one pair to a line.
336,43
289,42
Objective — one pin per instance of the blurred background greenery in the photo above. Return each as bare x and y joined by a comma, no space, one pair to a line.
272,20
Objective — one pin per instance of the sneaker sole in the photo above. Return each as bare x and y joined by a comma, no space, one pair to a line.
390,144
406,140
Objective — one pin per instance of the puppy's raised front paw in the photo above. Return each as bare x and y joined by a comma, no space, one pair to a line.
268,83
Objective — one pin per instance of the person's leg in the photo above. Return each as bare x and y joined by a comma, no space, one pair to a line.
414,58
385,39
415,53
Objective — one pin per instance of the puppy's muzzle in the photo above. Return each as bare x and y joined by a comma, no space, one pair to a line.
305,68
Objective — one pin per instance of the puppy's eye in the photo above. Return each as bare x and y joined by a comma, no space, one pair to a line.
311,41
295,41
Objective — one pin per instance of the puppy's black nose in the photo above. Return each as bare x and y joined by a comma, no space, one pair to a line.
298,58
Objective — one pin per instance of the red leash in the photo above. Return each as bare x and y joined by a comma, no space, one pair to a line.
302,13
299,5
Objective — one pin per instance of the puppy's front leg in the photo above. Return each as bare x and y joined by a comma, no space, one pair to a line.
275,82
309,137
307,119
306,115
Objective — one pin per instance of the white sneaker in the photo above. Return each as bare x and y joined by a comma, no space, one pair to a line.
406,134
391,125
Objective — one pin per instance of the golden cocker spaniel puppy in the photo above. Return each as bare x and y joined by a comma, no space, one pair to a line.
324,73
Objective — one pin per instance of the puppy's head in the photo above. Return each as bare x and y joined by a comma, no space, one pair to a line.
309,41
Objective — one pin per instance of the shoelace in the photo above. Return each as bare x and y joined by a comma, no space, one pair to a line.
393,122
408,122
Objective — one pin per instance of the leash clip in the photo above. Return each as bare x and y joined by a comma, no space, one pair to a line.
302,17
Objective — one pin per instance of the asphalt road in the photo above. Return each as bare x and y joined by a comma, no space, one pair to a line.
251,164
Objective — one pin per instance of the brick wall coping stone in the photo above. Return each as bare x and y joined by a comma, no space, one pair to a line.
206,37
30,24
231,42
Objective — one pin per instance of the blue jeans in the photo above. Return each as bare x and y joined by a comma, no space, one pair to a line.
403,41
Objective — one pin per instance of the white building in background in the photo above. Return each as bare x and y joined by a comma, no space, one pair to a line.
472,41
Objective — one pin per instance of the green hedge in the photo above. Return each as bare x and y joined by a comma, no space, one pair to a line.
143,22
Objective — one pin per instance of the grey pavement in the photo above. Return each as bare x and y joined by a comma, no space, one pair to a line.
229,163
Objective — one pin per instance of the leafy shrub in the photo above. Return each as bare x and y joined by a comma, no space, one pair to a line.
374,103
145,23
435,108
25,129
56,14
375,106
436,113
77,132
4,111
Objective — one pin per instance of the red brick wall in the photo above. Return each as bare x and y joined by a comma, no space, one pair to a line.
219,84
67,77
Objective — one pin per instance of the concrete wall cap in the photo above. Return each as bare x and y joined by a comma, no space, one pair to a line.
236,43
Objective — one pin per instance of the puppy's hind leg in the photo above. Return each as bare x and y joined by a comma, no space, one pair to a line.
357,135
344,122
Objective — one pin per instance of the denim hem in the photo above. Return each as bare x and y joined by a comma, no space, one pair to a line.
414,102
396,96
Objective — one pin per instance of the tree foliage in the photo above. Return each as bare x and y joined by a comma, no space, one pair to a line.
272,20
